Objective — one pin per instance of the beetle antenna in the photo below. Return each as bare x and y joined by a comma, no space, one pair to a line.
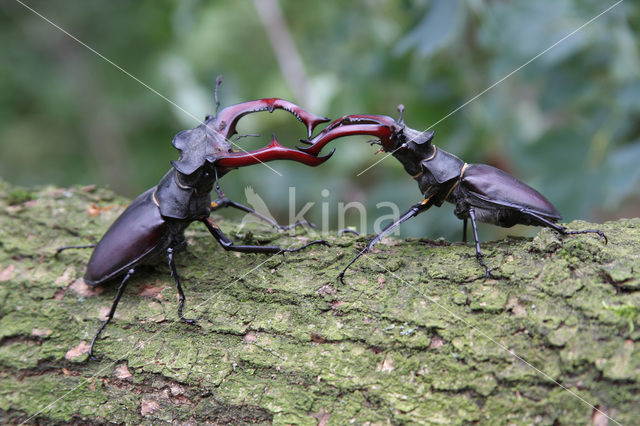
401,111
237,138
215,93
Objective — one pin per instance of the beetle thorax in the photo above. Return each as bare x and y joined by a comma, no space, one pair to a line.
201,181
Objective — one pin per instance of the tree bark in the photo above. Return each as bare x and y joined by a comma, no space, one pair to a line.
416,335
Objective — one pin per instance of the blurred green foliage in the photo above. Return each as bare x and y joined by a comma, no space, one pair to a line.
567,123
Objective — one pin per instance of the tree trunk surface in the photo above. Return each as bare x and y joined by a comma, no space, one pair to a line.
417,335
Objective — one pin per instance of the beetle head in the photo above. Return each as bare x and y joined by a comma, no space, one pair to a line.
416,141
198,146
411,147
404,139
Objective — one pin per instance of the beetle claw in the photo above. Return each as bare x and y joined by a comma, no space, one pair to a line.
602,234
488,274
93,358
190,321
590,231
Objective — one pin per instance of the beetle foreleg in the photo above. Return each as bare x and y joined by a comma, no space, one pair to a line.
112,311
219,191
227,244
472,216
174,274
225,202
413,211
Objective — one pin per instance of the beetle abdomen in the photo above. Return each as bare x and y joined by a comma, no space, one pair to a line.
134,235
496,187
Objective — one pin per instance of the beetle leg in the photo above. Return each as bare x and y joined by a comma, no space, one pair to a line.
181,298
227,244
586,231
413,211
464,230
112,311
348,231
273,151
472,216
225,202
228,118
219,191
561,229
63,248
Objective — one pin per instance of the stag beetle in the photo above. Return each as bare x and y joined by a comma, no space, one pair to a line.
478,191
153,224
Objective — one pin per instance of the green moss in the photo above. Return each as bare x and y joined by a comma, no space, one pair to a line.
19,196
628,311
416,334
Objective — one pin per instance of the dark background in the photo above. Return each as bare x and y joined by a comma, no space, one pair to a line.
566,124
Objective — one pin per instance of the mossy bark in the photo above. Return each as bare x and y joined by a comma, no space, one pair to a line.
417,335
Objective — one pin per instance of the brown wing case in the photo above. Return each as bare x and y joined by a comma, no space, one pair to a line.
137,231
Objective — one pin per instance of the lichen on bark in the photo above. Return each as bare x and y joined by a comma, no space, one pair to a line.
417,334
